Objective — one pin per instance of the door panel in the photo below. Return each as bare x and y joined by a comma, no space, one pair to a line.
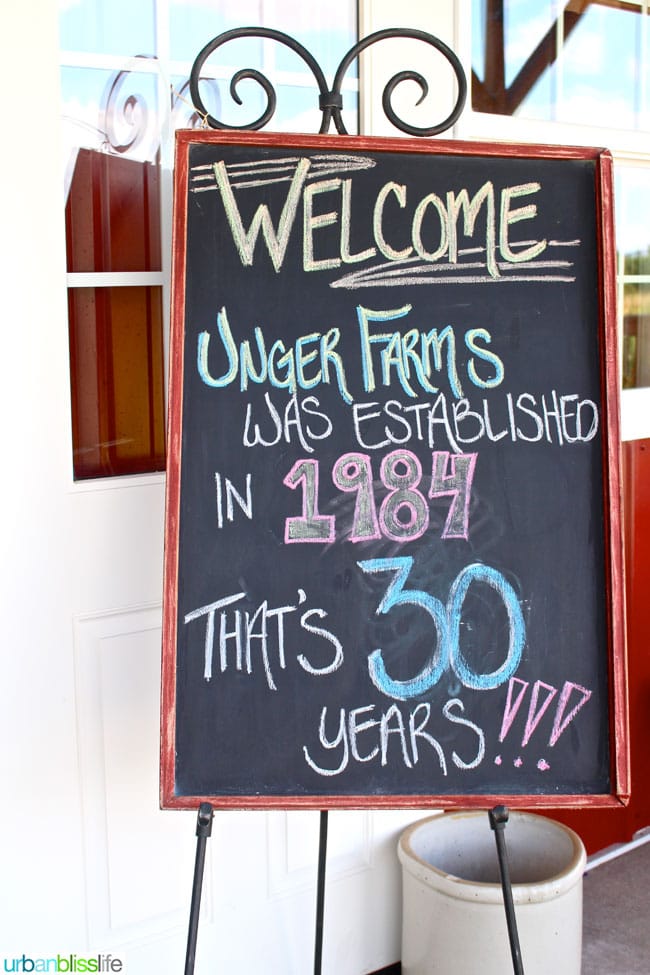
133,891
89,862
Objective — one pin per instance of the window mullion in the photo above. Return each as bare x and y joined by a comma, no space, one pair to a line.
115,279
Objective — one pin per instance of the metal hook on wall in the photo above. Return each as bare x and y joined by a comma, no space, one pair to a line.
330,101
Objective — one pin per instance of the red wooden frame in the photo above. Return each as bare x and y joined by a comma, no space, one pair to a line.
620,775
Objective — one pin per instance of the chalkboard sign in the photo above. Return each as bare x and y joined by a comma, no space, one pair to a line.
393,554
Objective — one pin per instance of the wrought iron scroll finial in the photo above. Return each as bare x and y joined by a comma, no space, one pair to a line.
330,101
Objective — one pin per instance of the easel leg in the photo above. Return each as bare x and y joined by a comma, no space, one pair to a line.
498,819
320,893
203,831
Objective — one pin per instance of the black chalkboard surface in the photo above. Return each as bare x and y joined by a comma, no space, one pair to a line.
393,555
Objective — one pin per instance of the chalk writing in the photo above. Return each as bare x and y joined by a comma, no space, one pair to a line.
404,512
446,622
384,500
430,233
550,418
310,526
457,485
413,356
410,733
243,632
517,690
232,496
353,473
299,416
410,358
311,360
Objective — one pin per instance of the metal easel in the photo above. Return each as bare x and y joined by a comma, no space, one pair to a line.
498,818
331,105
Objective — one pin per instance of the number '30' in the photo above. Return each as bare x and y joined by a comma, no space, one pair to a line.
446,621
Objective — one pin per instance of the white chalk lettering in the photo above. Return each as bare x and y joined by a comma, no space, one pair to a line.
396,736
427,228
245,240
336,661
279,426
510,216
456,719
232,495
552,418
244,635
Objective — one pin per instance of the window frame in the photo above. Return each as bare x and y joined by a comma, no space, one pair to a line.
163,68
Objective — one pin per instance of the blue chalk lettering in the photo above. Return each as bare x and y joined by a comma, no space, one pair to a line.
517,630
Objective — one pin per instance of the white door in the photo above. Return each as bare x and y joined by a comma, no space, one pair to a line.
90,866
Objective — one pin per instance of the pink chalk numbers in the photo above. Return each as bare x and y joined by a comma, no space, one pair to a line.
403,512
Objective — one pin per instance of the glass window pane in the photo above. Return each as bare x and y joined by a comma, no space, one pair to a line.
327,33
116,364
115,111
112,214
327,38
633,246
636,335
479,38
515,57
183,114
633,219
601,61
529,28
584,62
112,173
108,26
193,23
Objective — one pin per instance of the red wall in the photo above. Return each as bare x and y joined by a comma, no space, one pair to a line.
599,827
